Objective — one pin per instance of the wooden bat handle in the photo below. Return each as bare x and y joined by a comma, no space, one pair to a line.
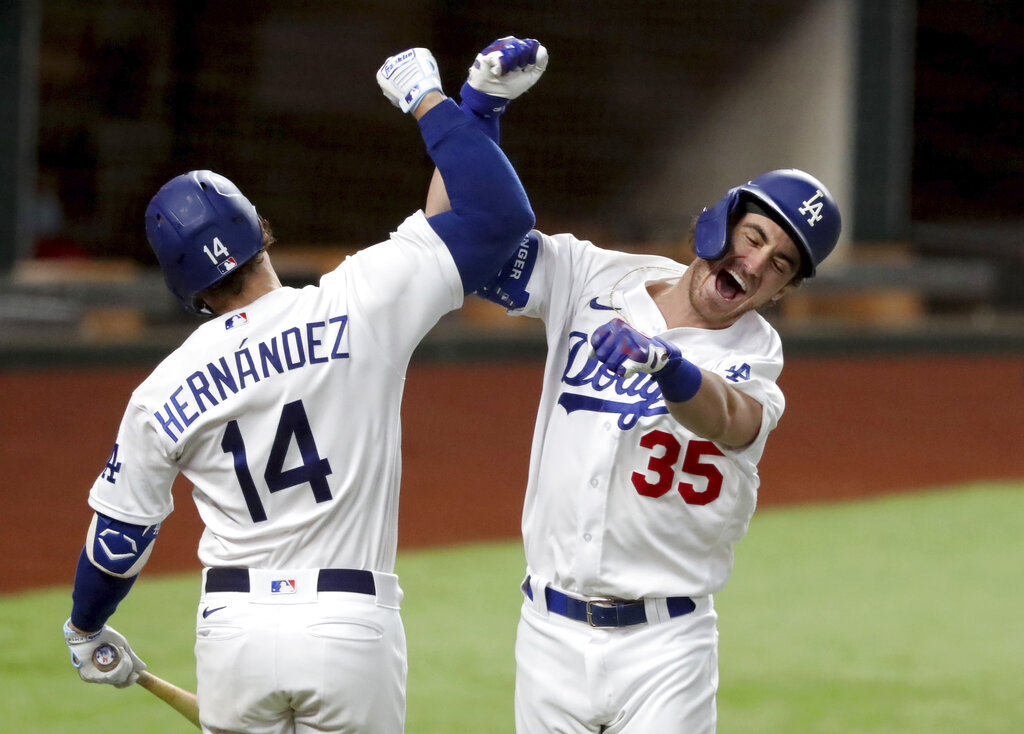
106,657
182,701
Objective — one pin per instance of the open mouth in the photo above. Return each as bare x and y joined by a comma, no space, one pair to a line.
728,285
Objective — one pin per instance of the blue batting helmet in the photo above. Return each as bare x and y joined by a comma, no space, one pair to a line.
201,227
796,200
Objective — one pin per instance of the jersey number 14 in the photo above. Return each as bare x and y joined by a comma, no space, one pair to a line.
313,470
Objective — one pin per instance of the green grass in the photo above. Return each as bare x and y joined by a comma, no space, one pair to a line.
461,608
42,691
901,615
895,615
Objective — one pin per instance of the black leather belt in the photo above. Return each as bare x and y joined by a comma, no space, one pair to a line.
606,612
330,579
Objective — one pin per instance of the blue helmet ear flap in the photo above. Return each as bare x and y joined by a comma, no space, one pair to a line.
711,237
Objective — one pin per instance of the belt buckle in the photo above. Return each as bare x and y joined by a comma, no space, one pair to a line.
603,604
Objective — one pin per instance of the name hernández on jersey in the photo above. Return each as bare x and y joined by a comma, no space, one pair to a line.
642,392
316,342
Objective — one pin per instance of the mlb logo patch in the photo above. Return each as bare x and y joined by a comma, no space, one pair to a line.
238,319
282,586
227,266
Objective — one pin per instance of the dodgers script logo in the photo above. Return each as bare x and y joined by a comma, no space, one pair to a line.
639,395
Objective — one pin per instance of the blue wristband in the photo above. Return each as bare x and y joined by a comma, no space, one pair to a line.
679,379
481,104
484,110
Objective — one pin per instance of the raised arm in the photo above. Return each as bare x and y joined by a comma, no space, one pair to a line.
501,72
489,211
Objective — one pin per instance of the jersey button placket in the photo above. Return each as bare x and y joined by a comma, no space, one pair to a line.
594,503
587,535
591,528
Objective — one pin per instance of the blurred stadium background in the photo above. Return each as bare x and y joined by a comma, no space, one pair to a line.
910,111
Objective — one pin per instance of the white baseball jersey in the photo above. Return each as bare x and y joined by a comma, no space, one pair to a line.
622,500
285,415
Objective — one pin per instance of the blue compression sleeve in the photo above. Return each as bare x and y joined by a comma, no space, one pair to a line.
490,212
96,595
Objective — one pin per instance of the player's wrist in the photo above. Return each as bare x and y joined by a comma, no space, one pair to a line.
427,102
480,103
679,379
75,635
483,110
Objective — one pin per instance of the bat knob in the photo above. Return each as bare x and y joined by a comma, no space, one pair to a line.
105,658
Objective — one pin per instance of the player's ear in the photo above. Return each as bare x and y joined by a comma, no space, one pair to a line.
794,282
783,291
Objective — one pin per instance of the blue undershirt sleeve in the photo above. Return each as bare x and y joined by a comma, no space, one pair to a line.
96,595
490,212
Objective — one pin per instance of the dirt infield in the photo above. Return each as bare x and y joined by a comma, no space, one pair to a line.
852,427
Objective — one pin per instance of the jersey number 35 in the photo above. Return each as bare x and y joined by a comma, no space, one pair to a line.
662,468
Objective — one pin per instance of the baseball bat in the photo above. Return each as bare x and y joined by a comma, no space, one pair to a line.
106,657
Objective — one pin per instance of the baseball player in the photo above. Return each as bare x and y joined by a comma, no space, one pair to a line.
283,411
659,395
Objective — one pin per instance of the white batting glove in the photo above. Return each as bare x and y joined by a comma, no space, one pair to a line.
406,77
82,647
508,67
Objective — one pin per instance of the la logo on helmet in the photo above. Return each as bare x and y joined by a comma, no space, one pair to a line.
812,208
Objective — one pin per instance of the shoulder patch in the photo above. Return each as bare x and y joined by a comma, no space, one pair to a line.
738,372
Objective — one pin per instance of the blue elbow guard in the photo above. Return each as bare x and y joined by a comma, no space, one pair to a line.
119,548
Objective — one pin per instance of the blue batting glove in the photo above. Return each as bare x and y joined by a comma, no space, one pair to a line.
625,351
508,67
500,73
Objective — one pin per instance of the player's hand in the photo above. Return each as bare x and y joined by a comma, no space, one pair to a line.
625,351
406,77
508,67
83,645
